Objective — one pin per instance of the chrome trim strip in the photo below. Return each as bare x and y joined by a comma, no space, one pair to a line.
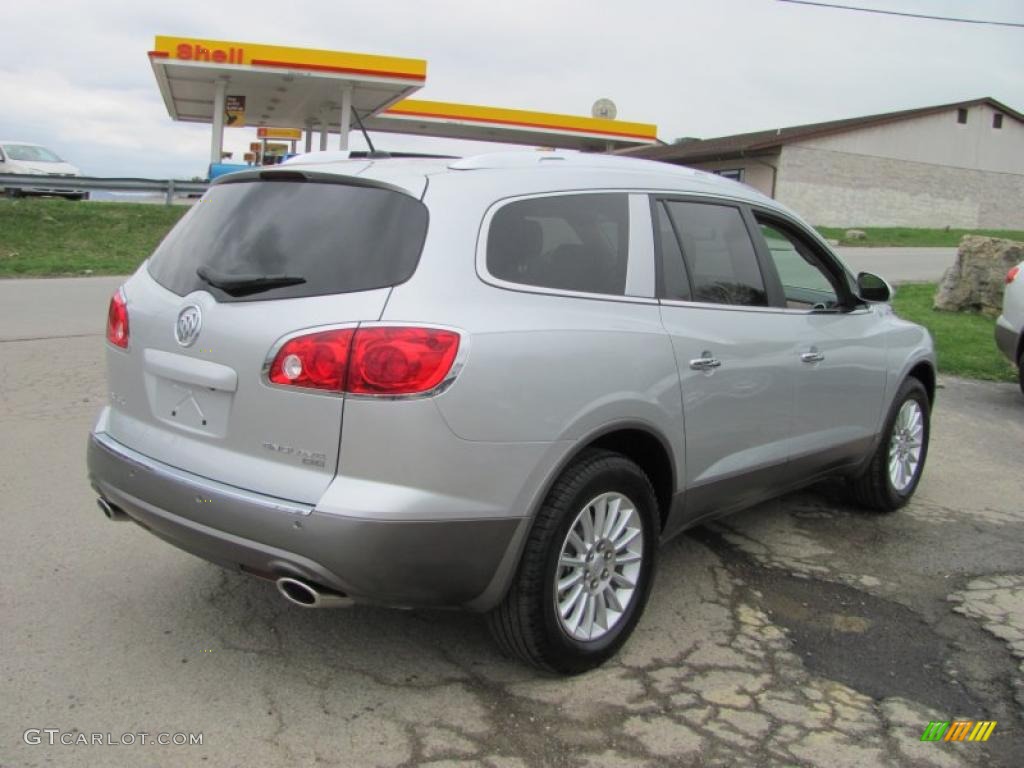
200,484
768,310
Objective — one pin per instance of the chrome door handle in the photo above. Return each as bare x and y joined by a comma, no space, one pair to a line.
705,362
812,356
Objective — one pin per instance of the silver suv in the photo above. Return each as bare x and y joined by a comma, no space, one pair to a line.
496,383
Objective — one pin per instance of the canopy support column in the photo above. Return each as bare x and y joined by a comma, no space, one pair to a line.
309,136
323,129
217,133
346,117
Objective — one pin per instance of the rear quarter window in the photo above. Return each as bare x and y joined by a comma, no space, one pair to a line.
339,238
577,243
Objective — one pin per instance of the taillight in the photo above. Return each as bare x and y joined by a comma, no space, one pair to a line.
317,360
1012,274
400,361
117,320
379,360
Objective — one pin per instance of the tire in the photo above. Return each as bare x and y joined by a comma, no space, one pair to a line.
877,488
78,196
1020,370
528,624
12,193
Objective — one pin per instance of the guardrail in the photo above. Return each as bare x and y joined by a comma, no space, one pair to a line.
168,187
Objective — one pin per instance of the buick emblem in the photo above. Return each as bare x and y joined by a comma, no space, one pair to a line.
188,325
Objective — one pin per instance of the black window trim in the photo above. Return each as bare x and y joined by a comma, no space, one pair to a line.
772,285
843,280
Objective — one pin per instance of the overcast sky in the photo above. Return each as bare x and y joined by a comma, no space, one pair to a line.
74,76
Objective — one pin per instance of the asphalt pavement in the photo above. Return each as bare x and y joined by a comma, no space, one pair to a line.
901,265
802,632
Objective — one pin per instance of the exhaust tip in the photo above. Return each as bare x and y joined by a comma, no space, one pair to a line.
307,595
110,511
298,592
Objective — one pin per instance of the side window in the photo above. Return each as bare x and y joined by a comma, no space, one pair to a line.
564,242
718,253
674,282
805,284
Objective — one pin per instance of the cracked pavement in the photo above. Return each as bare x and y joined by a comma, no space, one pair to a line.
801,632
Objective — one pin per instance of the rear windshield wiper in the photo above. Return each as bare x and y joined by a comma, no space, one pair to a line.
243,285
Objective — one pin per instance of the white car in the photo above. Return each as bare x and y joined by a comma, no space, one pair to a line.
1010,325
32,159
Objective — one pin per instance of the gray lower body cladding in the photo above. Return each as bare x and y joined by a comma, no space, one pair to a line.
443,563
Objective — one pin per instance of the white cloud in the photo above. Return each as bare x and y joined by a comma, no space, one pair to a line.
76,74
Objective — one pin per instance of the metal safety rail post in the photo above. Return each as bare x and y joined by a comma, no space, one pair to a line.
168,187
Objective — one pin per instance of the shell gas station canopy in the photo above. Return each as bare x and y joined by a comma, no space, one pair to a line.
230,84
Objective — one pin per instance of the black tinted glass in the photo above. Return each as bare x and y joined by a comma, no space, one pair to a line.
675,284
338,238
719,254
804,283
566,242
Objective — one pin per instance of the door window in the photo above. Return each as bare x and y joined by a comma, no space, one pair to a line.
805,283
675,284
717,252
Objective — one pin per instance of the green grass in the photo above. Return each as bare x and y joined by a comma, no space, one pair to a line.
49,237
964,341
903,236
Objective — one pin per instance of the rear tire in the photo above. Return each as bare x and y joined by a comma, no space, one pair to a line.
537,622
893,474
12,193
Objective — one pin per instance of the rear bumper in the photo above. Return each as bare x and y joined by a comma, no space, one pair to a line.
442,563
1006,339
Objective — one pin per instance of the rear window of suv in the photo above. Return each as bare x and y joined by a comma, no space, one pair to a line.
337,238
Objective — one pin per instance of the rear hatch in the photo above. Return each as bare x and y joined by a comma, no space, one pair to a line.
254,261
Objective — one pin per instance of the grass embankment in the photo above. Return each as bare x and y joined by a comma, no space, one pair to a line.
964,341
48,237
913,238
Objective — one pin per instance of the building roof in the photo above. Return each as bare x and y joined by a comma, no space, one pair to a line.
761,142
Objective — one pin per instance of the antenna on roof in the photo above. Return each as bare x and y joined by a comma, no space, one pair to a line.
373,152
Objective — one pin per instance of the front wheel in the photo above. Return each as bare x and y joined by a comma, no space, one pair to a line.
1020,370
895,469
587,568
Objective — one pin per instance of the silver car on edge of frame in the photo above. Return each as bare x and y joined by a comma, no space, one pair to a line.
495,383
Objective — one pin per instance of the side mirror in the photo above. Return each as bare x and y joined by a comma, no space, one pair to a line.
873,288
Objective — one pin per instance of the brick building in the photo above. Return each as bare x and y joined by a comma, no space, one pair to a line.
956,165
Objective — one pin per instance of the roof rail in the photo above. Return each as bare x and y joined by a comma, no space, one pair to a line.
560,157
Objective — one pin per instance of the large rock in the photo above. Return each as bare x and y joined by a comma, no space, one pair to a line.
976,279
